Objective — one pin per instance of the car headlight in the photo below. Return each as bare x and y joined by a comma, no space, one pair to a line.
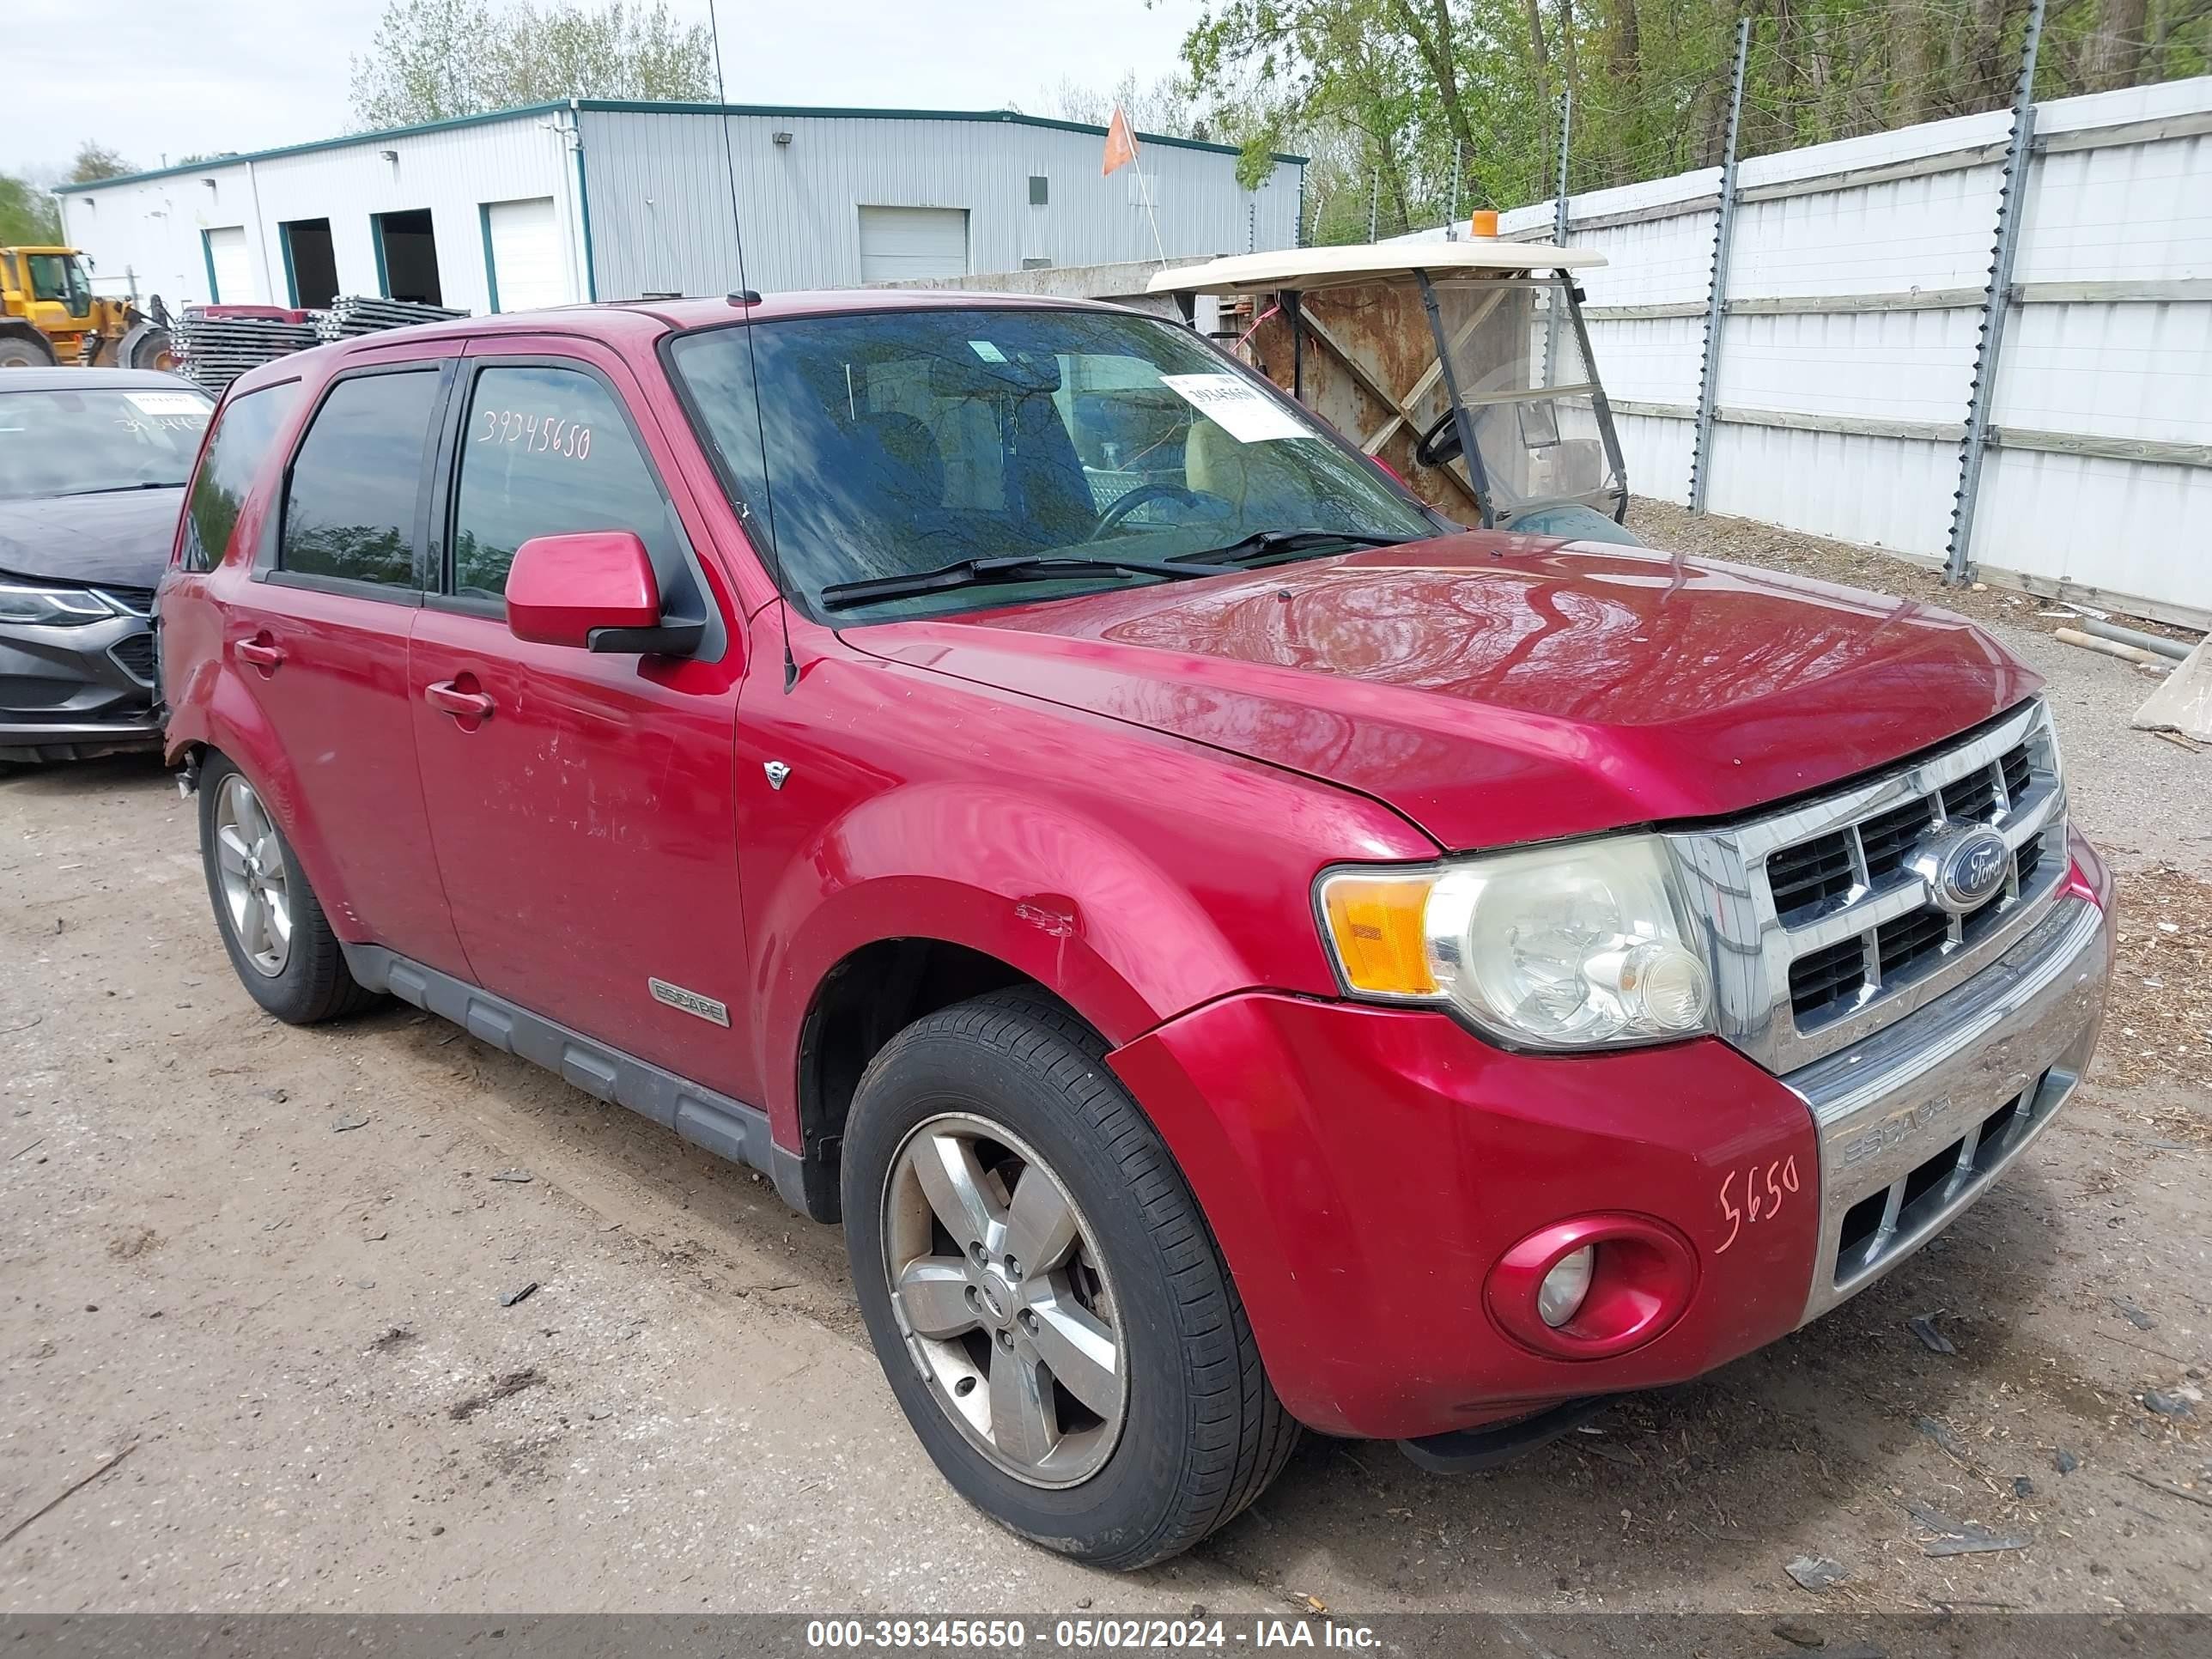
1581,945
51,607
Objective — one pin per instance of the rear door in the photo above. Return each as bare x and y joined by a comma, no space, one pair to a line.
317,636
585,825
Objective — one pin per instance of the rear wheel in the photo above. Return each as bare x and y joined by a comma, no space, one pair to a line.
272,924
1048,1303
20,350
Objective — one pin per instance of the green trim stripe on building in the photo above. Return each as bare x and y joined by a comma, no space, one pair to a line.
491,267
291,277
634,106
207,254
376,241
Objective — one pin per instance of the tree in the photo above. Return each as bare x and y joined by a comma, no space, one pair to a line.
431,60
28,217
95,162
1165,106
1409,107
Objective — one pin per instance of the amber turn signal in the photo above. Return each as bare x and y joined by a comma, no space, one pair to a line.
1377,923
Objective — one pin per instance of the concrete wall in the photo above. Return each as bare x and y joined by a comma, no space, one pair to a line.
1854,309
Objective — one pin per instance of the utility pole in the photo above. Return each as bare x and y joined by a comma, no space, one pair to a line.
1996,300
1374,202
1701,448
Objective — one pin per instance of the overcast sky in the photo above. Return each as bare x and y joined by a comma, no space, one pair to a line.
173,79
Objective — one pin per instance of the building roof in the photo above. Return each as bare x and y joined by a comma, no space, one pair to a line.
624,106
1358,262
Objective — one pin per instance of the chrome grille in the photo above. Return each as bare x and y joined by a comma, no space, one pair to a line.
1820,928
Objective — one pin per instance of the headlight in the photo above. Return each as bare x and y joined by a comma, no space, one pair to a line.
1583,945
51,607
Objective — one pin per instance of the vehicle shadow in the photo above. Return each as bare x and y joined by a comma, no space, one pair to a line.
61,780
1800,1439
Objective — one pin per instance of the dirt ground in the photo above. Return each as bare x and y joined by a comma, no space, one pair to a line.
267,1267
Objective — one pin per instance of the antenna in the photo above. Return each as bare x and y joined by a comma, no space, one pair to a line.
746,297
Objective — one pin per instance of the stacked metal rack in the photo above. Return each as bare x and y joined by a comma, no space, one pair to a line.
218,343
354,314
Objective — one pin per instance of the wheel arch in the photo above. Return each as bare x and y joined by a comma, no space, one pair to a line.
228,724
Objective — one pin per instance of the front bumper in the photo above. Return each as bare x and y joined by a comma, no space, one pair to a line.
1365,1169
70,692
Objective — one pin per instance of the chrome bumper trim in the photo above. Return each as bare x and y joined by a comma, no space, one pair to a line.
1916,1120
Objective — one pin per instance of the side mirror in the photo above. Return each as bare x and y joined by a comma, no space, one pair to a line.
596,591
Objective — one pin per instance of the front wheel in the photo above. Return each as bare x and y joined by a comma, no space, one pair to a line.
1048,1305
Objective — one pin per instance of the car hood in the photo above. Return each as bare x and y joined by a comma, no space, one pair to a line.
1498,688
120,538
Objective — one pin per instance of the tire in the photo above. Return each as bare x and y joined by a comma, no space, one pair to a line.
1018,1082
300,978
148,345
24,351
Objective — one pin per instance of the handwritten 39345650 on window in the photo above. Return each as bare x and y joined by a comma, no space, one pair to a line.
548,433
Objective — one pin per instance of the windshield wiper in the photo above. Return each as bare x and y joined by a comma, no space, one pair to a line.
118,490
1012,568
1262,543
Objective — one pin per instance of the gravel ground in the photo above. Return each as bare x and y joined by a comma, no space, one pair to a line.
267,1266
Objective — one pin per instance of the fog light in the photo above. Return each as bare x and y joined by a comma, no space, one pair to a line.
1559,1297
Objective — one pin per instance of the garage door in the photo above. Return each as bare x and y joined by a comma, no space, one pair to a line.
229,267
523,246
898,244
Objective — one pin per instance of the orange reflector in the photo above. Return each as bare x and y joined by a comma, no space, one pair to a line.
1376,921
1483,221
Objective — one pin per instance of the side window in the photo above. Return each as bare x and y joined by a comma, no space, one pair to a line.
545,451
349,503
243,433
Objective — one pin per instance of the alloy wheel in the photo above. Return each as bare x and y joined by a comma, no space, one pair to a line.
257,889
1002,1295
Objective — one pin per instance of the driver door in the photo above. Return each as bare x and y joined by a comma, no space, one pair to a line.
585,822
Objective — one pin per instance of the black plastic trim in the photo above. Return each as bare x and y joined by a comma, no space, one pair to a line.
728,1128
1471,1451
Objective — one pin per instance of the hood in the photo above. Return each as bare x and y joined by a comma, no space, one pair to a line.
121,539
1498,688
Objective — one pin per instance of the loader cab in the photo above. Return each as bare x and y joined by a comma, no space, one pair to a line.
1464,367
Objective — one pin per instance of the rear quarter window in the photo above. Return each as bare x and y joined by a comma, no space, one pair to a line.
243,433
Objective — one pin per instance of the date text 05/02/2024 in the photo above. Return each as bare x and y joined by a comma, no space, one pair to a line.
1134,1634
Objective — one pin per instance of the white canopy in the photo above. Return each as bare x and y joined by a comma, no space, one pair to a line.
1362,262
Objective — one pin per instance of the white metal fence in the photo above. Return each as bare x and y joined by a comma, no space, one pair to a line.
1855,299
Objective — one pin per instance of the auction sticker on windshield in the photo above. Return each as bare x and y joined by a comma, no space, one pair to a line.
168,403
1239,409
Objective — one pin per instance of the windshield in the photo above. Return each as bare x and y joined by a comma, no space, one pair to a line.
76,443
905,442
1517,364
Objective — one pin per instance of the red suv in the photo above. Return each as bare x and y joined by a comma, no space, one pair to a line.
1234,950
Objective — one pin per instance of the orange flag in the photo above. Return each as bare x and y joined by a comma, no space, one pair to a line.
1121,142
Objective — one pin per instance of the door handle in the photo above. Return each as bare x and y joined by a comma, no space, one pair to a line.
447,698
260,652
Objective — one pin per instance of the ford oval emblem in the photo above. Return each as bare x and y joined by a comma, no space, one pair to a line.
1966,868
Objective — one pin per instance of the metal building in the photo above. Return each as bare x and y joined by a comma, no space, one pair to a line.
595,199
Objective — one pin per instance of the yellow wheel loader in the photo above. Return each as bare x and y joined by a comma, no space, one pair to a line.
48,315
